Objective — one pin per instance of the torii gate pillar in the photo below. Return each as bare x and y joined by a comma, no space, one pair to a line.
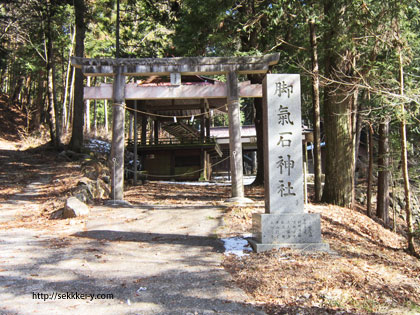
235,145
117,148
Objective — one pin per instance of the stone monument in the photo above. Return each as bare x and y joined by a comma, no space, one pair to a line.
284,223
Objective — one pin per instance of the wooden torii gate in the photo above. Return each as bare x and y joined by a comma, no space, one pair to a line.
120,68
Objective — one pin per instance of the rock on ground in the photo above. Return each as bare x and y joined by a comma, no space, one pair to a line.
74,208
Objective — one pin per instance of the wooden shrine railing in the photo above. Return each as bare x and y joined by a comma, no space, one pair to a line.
168,143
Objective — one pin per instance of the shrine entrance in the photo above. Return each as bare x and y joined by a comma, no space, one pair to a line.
174,101
285,222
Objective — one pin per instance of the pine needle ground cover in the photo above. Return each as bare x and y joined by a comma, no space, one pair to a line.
371,272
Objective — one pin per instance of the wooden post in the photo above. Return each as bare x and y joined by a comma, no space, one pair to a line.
95,117
151,133
172,165
254,162
135,144
143,129
208,128
157,125
305,173
209,170
106,114
130,127
235,144
202,123
117,149
87,110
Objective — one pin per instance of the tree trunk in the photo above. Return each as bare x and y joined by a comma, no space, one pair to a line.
28,101
404,162
57,118
3,74
50,110
87,110
382,209
339,105
258,121
18,89
76,141
71,100
316,112
53,112
39,104
339,177
106,113
359,124
353,128
66,86
370,172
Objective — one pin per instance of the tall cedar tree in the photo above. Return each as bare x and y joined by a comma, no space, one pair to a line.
338,109
76,141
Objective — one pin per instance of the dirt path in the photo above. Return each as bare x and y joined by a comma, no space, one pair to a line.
141,260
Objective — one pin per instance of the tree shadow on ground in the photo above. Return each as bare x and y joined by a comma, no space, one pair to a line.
89,264
297,310
153,238
349,229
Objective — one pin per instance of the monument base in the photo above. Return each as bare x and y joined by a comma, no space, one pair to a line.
291,230
118,204
239,201
316,247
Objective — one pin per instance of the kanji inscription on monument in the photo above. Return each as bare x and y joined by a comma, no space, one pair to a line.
284,223
284,176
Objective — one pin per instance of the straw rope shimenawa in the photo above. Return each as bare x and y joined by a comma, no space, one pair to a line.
170,116
178,175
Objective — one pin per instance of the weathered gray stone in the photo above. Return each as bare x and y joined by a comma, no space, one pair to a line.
106,179
118,203
285,223
183,65
84,181
74,208
287,228
322,247
86,190
239,201
82,196
58,214
71,155
117,146
235,144
283,175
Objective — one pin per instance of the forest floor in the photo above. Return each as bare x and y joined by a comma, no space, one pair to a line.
370,272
